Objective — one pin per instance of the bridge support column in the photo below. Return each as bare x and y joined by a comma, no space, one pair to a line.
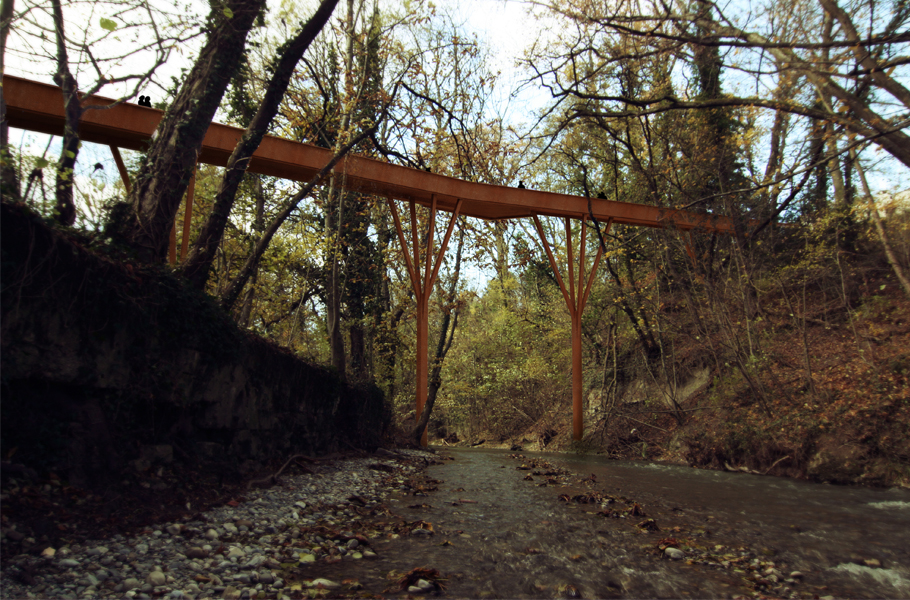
422,284
187,219
187,213
575,302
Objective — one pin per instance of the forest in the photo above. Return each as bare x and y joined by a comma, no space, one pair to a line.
782,348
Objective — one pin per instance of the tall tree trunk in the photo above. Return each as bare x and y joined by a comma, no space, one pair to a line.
334,218
72,107
258,226
197,265
163,178
446,335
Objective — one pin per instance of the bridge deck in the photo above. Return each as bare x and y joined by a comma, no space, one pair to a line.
39,107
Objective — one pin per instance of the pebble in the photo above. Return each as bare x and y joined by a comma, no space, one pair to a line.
176,561
675,553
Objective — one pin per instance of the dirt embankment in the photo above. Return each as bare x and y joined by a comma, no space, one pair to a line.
828,400
112,367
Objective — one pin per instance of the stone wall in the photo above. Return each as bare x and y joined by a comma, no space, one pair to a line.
102,360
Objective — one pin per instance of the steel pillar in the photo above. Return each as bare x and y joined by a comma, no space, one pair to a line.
422,284
575,302
187,219
124,176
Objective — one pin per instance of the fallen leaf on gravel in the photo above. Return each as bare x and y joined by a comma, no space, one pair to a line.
649,525
569,591
414,575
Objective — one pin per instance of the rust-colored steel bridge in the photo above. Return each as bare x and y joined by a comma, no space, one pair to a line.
39,107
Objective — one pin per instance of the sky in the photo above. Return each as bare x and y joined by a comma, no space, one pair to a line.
509,27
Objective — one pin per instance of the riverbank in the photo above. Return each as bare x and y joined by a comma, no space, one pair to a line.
481,524
245,541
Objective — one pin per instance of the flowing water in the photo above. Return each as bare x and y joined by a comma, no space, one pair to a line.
498,535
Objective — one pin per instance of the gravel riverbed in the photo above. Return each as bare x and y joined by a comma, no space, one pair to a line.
238,550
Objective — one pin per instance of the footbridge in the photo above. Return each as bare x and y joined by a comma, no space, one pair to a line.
38,107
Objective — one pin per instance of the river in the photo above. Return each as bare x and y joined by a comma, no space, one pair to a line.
501,530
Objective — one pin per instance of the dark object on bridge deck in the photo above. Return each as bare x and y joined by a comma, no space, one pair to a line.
602,196
521,185
145,101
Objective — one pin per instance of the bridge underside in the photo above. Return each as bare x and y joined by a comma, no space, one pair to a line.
39,107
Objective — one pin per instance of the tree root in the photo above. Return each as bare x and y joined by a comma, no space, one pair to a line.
273,479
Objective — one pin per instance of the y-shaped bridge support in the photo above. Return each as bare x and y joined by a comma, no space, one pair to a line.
423,287
576,305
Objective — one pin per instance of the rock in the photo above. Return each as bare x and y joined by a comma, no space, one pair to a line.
675,553
413,589
356,555
234,551
68,563
873,562
300,504
14,535
255,562
48,553
837,462
211,534
244,523
421,532
278,584
266,577
230,527
230,593
307,558
156,578
369,554
425,585
352,543
196,552
97,551
177,595
131,583
142,548
157,453
796,574
324,583
174,529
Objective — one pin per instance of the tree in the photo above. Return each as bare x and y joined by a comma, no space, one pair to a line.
791,45
450,309
88,55
163,179
197,265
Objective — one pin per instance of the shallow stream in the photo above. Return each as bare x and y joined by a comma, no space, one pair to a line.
502,531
